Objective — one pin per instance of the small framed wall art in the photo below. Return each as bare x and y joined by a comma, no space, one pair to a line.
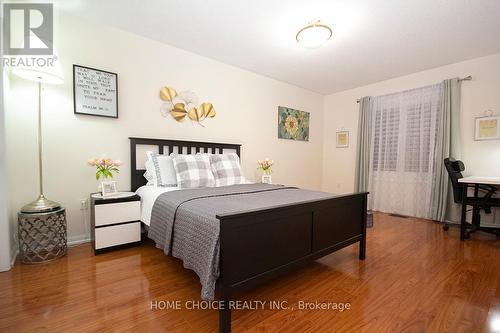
342,139
95,92
487,128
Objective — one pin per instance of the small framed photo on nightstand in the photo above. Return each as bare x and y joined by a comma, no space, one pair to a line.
108,188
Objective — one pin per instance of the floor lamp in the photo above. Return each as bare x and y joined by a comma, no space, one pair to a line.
46,75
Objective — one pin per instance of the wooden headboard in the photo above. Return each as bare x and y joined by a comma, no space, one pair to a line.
166,146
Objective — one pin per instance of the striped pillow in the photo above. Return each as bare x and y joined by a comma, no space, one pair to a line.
193,171
226,169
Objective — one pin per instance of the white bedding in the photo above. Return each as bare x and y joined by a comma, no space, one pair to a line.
148,195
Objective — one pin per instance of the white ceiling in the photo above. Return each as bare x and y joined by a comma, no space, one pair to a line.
373,40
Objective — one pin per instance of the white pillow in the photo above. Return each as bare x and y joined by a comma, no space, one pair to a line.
163,171
193,171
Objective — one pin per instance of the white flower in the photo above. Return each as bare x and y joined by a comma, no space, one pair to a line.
188,97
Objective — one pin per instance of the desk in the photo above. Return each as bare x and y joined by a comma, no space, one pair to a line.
480,180
474,181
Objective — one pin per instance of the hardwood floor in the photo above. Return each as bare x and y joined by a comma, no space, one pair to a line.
416,278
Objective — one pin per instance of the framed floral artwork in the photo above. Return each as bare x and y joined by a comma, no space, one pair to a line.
293,124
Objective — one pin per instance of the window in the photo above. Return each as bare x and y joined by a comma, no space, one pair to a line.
418,138
385,140
405,132
420,132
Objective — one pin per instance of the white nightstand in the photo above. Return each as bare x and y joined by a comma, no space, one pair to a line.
115,223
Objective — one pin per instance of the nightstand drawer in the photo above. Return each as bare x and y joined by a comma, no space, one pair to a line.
117,235
117,212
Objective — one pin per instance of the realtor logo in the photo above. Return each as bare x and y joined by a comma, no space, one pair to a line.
28,28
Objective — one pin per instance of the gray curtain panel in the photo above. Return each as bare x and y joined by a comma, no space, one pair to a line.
450,146
363,146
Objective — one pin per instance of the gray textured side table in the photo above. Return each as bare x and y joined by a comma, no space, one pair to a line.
42,236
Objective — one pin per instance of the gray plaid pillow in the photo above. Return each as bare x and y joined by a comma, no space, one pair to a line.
193,171
226,169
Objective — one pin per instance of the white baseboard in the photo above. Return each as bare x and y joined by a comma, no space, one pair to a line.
13,255
77,240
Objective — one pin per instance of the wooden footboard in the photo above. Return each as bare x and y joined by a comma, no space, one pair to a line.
258,245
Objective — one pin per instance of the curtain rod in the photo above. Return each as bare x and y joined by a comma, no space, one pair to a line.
467,78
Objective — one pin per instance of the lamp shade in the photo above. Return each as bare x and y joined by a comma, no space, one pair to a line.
39,74
44,69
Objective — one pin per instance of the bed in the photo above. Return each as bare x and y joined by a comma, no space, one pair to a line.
254,242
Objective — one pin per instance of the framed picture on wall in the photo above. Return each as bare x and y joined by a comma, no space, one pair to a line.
487,128
293,124
342,139
95,92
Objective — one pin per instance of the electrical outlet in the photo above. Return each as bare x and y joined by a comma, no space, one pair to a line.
84,204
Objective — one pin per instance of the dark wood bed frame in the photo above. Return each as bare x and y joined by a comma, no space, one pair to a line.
259,245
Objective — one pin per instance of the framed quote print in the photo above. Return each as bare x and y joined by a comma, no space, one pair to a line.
95,92
487,128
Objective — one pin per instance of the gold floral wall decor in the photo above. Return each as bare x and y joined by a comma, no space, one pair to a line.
184,104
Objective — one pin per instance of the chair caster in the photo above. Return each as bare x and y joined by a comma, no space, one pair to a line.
446,227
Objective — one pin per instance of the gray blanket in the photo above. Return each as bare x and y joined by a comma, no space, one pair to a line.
184,225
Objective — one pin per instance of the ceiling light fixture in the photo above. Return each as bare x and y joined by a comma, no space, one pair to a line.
314,35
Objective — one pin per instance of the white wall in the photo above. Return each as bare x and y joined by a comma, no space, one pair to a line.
5,232
246,103
478,95
6,229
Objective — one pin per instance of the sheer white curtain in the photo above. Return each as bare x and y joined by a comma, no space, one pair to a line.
403,150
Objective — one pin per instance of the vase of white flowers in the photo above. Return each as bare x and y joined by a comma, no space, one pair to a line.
265,166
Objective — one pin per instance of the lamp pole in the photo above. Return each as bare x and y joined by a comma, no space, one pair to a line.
40,165
41,204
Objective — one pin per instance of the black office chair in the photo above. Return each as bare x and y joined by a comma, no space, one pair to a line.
478,203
